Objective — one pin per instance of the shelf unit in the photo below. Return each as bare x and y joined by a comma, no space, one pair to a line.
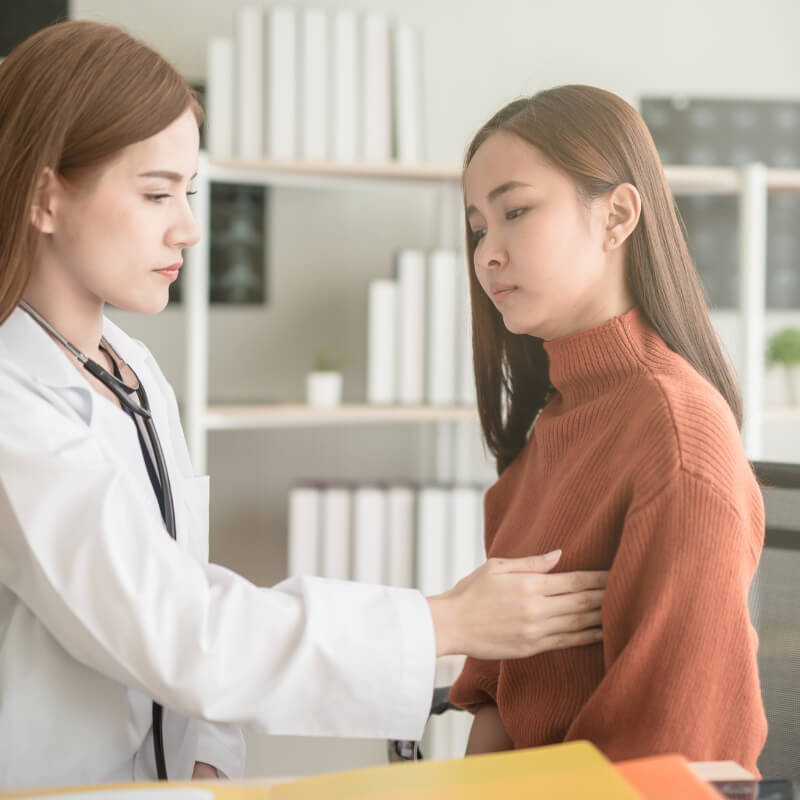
751,183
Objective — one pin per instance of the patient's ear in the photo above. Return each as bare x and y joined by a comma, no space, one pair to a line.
45,198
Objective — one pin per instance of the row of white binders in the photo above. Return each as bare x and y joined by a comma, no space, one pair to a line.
426,537
419,334
315,85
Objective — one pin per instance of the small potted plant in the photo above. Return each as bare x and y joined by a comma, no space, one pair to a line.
324,382
783,348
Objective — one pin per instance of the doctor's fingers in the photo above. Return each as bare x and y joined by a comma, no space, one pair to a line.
561,641
577,603
570,582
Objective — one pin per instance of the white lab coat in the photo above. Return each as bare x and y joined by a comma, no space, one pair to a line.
100,611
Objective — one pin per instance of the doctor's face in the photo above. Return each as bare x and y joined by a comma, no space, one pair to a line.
118,235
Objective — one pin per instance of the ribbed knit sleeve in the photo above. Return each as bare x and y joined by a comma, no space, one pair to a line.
679,650
476,685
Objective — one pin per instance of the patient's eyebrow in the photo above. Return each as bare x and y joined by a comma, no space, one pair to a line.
175,177
497,191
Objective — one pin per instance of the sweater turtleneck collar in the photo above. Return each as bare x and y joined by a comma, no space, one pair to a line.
586,364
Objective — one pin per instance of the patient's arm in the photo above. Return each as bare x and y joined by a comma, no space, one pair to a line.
488,734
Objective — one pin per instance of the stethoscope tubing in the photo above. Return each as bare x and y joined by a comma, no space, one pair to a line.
122,391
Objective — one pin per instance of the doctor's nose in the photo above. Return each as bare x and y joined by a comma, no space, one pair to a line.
185,232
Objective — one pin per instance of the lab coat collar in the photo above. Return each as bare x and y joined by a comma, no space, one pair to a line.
34,351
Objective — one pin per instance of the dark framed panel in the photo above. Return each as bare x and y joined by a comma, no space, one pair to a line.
19,19
722,132
237,250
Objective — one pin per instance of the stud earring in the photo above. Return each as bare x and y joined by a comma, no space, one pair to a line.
612,240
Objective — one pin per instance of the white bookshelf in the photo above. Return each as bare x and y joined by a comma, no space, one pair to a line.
751,183
252,417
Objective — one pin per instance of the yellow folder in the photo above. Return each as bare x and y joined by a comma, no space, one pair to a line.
576,770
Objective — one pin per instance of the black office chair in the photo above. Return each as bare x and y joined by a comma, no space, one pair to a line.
775,611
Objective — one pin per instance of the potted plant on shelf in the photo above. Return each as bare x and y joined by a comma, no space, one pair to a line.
783,348
324,382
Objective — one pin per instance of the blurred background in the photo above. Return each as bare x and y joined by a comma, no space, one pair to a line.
291,262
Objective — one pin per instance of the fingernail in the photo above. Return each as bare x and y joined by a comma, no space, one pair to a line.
598,634
552,556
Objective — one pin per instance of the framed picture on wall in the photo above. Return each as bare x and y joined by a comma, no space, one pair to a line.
237,251
21,19
733,132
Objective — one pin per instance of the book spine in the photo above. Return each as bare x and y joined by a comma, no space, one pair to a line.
433,526
250,81
376,107
344,86
442,328
406,95
281,95
381,342
315,90
465,503
466,394
336,539
219,97
304,531
401,534
411,327
369,535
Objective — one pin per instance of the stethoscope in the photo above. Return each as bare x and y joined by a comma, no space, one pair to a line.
124,394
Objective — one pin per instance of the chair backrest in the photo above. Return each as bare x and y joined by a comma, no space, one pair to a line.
775,610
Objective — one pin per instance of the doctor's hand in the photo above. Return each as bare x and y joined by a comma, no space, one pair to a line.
510,608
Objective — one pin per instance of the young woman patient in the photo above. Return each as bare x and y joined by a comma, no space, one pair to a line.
614,421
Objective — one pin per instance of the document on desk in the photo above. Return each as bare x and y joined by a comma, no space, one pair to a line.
559,772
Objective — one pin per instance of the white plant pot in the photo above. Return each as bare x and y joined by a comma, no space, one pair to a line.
324,389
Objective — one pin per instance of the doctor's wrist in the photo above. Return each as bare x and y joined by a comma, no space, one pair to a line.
445,626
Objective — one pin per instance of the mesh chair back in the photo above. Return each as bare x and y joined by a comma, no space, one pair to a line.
775,610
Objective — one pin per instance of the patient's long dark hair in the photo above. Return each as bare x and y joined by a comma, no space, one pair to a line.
599,141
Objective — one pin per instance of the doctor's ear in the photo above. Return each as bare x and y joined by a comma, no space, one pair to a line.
44,201
624,207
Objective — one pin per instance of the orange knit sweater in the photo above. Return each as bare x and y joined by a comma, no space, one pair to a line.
635,465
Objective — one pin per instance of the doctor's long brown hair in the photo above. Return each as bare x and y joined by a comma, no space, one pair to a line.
599,141
71,97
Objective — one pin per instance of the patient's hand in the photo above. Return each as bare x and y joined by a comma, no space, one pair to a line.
508,608
488,733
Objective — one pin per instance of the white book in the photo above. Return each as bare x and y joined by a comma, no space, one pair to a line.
376,108
407,92
219,97
336,525
314,48
441,328
401,523
381,342
411,327
465,504
433,528
465,377
304,531
281,85
344,86
250,81
369,534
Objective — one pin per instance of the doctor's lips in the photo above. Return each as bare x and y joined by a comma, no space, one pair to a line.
171,271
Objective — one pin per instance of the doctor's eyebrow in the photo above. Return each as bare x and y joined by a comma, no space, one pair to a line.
175,177
497,191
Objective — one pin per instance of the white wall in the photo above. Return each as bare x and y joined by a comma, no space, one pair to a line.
324,246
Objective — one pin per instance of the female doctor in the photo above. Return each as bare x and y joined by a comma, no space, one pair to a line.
124,655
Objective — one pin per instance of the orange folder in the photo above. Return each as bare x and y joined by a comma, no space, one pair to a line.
666,778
